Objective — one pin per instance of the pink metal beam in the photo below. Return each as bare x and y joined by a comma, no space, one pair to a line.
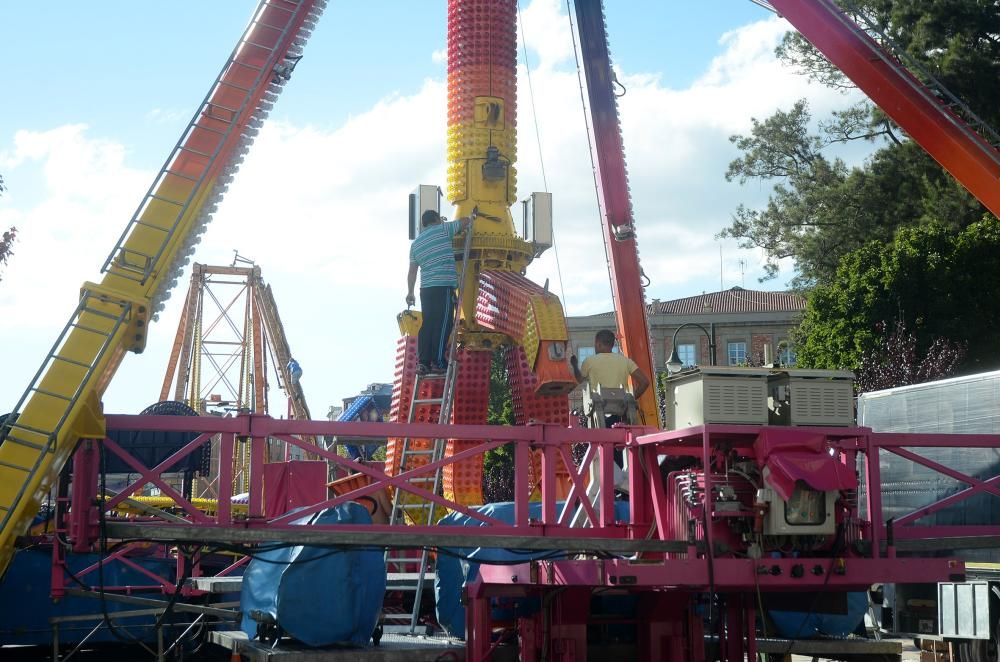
729,574
613,196
151,476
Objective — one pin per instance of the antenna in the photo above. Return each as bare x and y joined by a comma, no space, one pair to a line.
743,272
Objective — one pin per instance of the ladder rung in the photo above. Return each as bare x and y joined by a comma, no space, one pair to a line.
166,200
194,151
22,442
100,313
428,401
84,327
248,66
234,86
404,559
397,617
177,174
71,361
408,451
270,27
52,395
21,426
269,49
210,130
16,467
153,226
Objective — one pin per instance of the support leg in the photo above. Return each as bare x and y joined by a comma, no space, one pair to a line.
463,481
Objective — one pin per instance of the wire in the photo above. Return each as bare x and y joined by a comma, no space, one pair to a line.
590,146
538,142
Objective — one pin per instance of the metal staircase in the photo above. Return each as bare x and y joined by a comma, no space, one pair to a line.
62,403
425,512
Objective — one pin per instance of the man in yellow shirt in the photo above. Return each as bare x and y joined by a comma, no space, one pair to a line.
609,370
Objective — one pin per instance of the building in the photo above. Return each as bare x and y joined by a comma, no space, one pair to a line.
747,326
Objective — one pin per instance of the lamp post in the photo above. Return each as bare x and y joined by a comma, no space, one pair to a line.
674,364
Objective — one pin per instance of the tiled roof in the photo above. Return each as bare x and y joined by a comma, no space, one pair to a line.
735,300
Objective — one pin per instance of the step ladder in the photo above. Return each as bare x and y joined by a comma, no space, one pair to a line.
425,511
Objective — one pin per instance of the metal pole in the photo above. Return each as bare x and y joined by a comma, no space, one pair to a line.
711,341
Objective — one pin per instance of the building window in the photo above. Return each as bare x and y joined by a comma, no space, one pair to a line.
583,352
737,353
786,353
687,355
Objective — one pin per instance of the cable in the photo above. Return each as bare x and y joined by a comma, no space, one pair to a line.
590,146
538,142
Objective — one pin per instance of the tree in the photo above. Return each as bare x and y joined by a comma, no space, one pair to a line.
898,362
955,41
932,279
498,464
820,210
8,237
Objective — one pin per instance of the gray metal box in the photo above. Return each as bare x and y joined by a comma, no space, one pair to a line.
717,395
425,197
964,610
812,397
538,221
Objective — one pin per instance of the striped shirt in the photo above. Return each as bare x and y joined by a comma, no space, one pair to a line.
433,252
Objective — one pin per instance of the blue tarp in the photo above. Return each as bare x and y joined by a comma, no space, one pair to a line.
454,571
318,595
26,606
805,625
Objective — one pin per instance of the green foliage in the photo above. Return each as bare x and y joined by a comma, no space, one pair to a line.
501,407
953,40
7,238
498,464
820,210
932,279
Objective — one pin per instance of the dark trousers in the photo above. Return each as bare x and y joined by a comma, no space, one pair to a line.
437,307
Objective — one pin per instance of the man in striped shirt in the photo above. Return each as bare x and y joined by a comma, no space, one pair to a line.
433,253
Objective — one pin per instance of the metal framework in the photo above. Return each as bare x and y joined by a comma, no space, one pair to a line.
229,336
643,555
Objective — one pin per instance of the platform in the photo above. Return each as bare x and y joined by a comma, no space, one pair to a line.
833,649
392,648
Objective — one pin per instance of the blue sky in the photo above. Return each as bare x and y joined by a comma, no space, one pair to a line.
98,93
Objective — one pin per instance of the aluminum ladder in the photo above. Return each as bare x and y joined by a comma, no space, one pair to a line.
425,511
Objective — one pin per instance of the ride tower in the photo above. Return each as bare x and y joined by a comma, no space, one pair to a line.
500,307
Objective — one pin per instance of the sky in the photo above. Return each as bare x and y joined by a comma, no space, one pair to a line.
97,94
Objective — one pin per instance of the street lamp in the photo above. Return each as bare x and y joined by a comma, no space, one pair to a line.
674,364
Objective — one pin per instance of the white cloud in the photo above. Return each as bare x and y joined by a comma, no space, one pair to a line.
167,115
323,209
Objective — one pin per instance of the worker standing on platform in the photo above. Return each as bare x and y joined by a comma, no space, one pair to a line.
433,253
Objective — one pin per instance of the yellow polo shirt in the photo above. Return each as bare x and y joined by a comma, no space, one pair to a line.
609,370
